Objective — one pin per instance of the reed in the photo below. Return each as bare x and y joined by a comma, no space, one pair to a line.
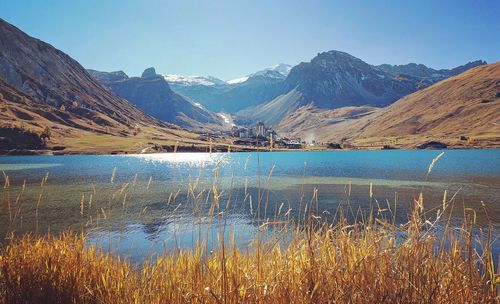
309,259
371,262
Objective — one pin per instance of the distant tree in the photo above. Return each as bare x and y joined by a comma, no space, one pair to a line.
45,136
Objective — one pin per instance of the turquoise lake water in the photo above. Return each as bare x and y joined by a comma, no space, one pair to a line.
138,204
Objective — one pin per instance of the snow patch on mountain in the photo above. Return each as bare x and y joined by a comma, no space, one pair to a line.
226,119
199,105
193,80
281,68
238,80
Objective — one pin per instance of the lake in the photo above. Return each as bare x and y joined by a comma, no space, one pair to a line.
139,205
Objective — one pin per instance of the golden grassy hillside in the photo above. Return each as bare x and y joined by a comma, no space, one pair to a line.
305,121
80,135
465,105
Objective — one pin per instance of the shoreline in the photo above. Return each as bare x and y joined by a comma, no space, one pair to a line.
236,150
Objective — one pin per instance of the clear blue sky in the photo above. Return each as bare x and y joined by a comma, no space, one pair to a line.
228,39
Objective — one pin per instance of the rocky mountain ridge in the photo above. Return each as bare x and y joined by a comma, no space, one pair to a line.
460,110
152,94
422,71
233,95
337,79
50,104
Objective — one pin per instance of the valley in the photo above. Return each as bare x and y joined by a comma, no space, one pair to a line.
51,104
249,152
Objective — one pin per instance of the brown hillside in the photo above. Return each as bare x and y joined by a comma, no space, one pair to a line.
305,121
42,87
78,134
465,105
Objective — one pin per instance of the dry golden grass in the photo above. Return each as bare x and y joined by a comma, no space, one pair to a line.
374,262
368,260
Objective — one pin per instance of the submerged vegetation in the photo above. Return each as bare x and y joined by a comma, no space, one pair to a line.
346,257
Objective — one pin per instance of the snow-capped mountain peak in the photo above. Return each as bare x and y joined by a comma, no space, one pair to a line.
281,68
182,80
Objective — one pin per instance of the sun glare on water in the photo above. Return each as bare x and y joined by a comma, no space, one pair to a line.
191,159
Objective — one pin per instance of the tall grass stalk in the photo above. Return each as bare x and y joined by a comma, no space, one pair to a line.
337,263
310,259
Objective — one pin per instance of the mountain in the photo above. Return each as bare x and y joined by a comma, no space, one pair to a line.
186,81
233,95
282,70
333,80
432,75
306,120
49,77
152,94
43,91
466,105
42,86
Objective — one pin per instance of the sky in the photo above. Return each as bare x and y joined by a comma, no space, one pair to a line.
230,39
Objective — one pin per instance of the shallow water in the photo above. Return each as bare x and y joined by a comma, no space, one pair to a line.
158,201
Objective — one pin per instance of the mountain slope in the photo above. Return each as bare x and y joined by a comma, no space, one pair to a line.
306,120
271,113
332,80
42,88
49,77
432,75
465,105
278,69
152,94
